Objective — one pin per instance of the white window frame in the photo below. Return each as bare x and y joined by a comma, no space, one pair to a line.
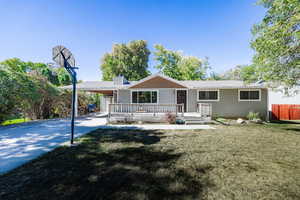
144,90
247,90
208,100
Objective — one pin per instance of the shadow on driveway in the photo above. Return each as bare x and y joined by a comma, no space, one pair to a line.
24,142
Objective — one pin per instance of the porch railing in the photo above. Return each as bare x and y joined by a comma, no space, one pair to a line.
205,109
145,108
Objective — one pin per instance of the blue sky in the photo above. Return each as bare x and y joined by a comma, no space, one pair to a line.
218,29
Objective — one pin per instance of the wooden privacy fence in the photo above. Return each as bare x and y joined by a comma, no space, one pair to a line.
286,111
145,108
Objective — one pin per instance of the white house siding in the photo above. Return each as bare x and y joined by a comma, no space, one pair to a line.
124,96
104,101
165,95
229,104
192,101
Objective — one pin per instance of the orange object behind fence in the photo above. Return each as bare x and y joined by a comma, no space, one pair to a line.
286,111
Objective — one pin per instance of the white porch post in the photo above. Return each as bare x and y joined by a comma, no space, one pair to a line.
76,103
100,101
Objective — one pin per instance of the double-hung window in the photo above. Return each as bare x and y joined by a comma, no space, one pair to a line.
208,95
144,97
249,95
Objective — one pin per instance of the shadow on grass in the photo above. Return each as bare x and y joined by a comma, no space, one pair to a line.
131,168
285,122
297,130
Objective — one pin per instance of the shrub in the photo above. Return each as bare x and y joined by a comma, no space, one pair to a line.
180,121
253,115
220,119
171,118
63,103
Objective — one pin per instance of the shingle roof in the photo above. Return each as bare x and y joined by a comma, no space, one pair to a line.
93,85
222,84
209,84
98,85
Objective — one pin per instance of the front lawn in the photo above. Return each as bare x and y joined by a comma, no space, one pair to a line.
14,121
230,162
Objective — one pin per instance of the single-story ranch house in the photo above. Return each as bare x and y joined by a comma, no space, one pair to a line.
160,94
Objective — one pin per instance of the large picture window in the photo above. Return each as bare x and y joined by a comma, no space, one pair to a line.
249,95
208,95
144,96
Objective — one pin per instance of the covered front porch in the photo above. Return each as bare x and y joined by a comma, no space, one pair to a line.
148,112
135,112
151,99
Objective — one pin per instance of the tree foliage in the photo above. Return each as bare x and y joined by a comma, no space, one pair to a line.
215,76
23,92
30,89
57,76
129,60
247,73
168,62
276,41
63,76
10,92
178,66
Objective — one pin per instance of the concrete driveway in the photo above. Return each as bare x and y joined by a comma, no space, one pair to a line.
24,142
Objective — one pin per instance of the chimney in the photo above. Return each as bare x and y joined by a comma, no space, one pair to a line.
119,80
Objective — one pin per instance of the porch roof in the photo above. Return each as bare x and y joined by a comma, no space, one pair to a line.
97,85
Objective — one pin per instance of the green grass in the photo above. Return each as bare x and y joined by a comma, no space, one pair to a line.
15,121
230,162
223,120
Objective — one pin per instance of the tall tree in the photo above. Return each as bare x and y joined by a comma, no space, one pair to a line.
215,76
15,64
192,68
277,42
23,92
57,76
168,62
247,73
63,76
175,65
129,60
28,89
10,92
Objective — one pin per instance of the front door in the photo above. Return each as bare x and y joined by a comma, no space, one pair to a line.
182,98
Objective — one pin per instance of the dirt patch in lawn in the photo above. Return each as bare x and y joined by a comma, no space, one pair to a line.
235,162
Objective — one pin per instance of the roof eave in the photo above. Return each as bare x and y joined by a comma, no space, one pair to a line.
158,75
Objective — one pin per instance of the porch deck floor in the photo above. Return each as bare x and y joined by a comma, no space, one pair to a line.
156,127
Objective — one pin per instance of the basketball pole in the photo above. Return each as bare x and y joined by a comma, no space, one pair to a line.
73,106
64,58
73,74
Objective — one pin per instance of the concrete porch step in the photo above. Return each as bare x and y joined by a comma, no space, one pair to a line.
192,118
195,122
